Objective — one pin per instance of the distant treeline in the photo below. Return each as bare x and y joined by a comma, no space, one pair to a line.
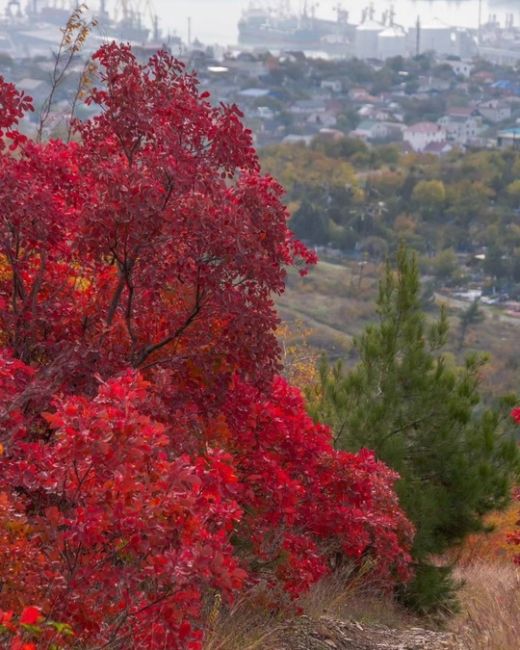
366,200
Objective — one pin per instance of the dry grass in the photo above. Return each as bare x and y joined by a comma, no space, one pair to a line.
337,304
242,628
489,618
351,596
490,614
250,625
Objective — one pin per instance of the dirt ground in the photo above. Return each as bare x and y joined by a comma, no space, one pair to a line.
329,634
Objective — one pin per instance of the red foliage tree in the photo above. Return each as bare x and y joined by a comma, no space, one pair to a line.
149,452
306,500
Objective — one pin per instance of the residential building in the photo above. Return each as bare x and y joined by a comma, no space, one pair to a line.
420,135
369,130
495,110
334,85
462,125
460,68
509,138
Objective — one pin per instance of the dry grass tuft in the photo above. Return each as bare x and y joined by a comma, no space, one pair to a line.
490,607
251,625
351,596
245,626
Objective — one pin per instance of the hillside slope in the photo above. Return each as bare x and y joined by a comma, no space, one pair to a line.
336,301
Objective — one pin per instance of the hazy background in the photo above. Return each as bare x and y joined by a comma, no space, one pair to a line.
216,20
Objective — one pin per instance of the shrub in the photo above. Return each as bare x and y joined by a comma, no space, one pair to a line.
150,456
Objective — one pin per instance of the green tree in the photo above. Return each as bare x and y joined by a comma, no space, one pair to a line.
468,201
445,265
495,263
311,224
423,417
429,196
470,317
513,191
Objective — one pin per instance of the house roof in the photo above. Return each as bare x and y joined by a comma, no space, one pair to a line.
424,127
254,92
510,133
461,111
438,147
365,125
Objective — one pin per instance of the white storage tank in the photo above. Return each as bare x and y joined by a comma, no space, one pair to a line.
392,41
366,45
436,36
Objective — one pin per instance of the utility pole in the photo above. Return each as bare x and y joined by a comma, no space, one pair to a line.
418,36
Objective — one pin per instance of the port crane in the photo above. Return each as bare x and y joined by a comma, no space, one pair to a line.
134,12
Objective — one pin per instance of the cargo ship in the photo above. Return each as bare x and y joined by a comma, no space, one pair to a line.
34,30
263,25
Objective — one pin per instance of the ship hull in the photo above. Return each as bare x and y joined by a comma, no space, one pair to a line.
302,32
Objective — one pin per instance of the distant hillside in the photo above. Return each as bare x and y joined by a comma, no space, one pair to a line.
337,300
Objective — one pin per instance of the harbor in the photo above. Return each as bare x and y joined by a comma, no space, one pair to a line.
378,30
378,34
32,29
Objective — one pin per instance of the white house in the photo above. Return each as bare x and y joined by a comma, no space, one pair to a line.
461,125
334,85
420,135
369,130
293,138
371,112
326,119
494,110
308,106
508,138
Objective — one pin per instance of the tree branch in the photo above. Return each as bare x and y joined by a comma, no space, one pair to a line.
154,347
125,271
414,423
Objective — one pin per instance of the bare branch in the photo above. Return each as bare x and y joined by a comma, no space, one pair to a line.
83,81
73,38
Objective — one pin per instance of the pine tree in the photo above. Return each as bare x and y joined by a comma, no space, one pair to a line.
422,416
471,316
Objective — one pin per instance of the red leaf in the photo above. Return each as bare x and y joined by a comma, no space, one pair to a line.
31,615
